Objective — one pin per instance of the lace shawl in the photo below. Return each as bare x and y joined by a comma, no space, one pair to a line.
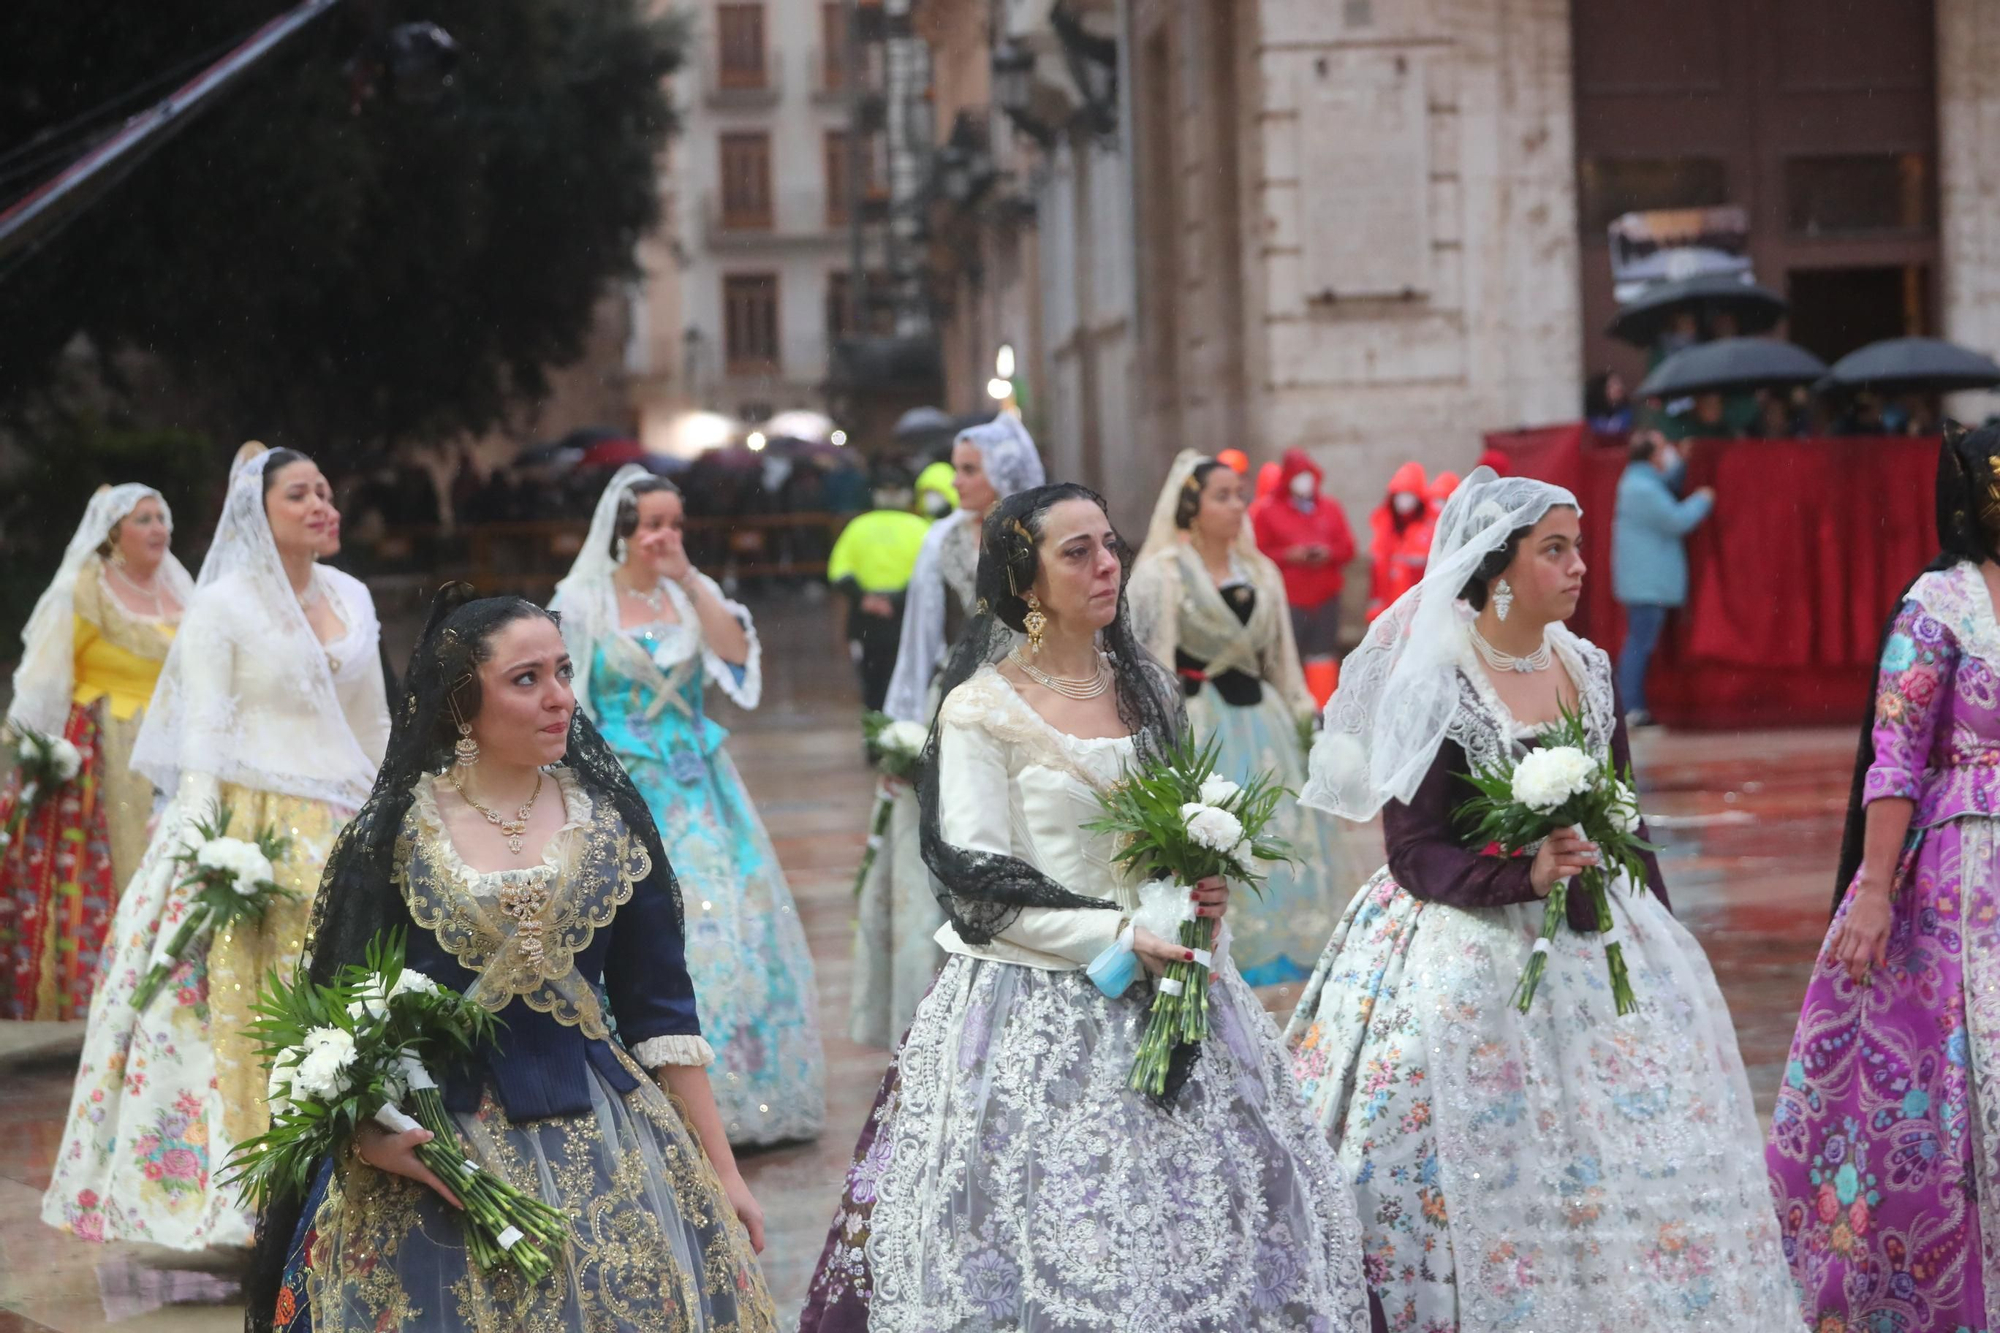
1175,604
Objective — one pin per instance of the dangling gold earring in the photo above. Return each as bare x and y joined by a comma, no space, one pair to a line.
1034,623
466,750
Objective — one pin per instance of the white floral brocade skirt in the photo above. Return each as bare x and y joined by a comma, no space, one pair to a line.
1009,1179
1566,1169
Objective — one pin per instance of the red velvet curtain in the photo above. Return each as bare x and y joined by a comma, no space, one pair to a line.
1790,580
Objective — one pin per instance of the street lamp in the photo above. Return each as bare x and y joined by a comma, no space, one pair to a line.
1003,362
755,441
838,438
1093,67
999,390
1014,91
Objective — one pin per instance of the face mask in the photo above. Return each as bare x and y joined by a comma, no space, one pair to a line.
1304,487
1405,503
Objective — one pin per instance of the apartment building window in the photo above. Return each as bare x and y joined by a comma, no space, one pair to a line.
739,36
746,181
835,157
750,323
833,46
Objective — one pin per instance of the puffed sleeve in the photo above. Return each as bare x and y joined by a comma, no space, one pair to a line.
1912,691
1426,851
974,812
645,971
742,682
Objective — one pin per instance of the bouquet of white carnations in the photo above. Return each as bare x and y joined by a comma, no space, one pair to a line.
893,747
1180,822
44,763
360,1050
1559,786
230,880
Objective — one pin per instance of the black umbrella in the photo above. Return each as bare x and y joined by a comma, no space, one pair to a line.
1915,365
1732,365
1643,319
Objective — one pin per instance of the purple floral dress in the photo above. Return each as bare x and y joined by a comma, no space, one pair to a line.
1883,1145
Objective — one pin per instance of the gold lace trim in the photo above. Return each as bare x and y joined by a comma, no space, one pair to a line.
521,930
148,639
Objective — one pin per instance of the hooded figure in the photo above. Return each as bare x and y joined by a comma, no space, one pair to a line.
1306,535
1402,524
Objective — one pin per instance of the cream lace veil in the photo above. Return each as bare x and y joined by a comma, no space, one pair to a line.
244,607
1399,690
45,680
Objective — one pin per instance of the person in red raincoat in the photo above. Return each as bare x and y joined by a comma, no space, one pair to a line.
1401,546
1306,535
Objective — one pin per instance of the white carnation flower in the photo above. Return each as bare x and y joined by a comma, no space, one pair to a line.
1544,779
322,1074
68,761
1215,789
1245,853
338,1042
1625,809
413,982
28,790
1217,830
279,1089
902,738
245,860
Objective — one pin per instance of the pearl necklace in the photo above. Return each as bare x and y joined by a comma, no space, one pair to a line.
515,829
654,600
1070,687
149,589
1539,660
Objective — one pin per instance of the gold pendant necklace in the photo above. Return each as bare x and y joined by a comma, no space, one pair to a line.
512,829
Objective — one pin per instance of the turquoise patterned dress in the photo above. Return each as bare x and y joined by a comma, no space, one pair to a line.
746,948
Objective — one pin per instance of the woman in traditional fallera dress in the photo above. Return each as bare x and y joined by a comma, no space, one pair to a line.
1564,1168
91,654
650,635
896,956
1207,601
1883,1144
507,842
271,703
1007,1177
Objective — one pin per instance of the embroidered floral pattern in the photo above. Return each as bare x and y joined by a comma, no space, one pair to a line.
1883,1141
1560,1170
1033,1191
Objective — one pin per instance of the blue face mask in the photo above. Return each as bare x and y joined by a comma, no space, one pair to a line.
1114,970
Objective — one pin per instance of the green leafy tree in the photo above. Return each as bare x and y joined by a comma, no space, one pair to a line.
313,265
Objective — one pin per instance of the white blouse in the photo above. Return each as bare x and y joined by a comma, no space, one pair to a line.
1010,783
251,712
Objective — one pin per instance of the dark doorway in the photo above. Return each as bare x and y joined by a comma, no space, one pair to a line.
1836,310
1819,117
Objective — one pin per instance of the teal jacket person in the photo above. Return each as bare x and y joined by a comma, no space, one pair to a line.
1648,535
